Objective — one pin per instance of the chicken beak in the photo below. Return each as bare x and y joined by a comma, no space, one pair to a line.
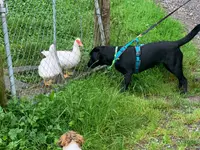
81,44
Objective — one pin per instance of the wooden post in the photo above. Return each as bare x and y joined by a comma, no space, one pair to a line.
105,15
106,19
3,100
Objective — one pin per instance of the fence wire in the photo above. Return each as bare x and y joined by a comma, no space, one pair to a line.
30,25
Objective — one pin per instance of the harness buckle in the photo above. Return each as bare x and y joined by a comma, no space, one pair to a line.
138,53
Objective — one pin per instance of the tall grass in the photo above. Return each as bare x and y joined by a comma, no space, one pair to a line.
106,120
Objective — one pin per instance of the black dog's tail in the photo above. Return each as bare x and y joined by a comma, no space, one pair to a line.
189,37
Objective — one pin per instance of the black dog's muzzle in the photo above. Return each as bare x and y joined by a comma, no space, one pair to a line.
92,65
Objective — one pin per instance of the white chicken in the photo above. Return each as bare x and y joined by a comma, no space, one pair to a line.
49,68
68,59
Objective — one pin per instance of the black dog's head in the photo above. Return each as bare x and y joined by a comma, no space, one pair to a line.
94,58
101,55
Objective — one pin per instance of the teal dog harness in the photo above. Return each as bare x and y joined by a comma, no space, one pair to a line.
122,50
137,59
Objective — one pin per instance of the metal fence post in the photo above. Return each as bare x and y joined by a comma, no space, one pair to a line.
7,47
54,21
54,34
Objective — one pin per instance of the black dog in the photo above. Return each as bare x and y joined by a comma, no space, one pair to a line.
166,52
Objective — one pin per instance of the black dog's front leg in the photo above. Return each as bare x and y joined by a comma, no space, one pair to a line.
127,81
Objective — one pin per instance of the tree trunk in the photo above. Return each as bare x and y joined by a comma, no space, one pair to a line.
3,100
106,19
105,15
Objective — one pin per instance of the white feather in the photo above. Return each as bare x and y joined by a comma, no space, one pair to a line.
49,67
68,59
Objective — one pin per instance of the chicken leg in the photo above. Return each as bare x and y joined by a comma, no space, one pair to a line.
48,83
68,74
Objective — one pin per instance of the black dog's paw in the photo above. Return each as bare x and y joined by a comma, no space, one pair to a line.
183,92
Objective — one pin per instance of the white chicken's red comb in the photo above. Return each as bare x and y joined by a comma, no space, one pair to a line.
78,40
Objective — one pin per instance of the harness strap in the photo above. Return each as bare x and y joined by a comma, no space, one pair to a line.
137,59
122,49
115,58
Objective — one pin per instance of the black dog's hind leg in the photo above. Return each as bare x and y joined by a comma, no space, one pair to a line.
183,83
127,81
177,70
181,79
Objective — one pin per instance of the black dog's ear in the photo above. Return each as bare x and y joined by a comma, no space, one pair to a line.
96,49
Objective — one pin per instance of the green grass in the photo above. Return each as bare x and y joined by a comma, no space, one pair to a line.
180,130
106,118
151,115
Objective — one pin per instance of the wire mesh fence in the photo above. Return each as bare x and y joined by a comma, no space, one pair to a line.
30,25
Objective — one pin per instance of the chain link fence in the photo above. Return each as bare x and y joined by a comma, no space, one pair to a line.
31,30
